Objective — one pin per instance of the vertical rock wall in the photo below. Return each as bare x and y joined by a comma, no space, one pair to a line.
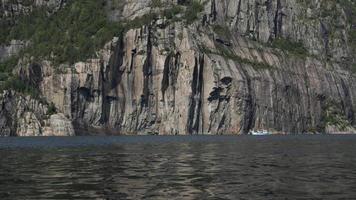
177,78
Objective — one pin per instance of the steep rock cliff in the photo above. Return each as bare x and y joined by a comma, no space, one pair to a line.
227,72
24,116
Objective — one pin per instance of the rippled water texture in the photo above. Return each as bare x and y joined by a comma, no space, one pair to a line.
227,167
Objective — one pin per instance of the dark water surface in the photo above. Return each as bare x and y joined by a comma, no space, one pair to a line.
158,167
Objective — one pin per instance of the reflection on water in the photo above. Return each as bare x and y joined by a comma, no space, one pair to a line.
281,167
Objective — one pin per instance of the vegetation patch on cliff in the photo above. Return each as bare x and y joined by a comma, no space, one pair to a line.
9,81
51,109
194,7
333,116
295,48
228,54
188,10
222,31
72,34
78,30
15,84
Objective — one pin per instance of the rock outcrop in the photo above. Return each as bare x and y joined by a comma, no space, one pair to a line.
25,116
218,75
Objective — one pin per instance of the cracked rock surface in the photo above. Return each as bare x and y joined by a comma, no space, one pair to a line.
169,77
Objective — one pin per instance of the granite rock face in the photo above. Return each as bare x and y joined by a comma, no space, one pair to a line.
25,116
217,75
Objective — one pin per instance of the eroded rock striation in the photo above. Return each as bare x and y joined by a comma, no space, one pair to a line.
24,116
227,72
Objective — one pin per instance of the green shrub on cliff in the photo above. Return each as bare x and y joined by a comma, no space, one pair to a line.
172,12
296,48
333,115
9,64
228,54
222,31
194,7
51,109
14,83
4,31
72,34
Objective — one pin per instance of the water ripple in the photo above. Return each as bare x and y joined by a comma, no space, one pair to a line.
291,167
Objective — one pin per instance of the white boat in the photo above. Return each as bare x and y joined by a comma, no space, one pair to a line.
260,132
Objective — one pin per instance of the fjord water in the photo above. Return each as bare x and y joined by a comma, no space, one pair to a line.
193,167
